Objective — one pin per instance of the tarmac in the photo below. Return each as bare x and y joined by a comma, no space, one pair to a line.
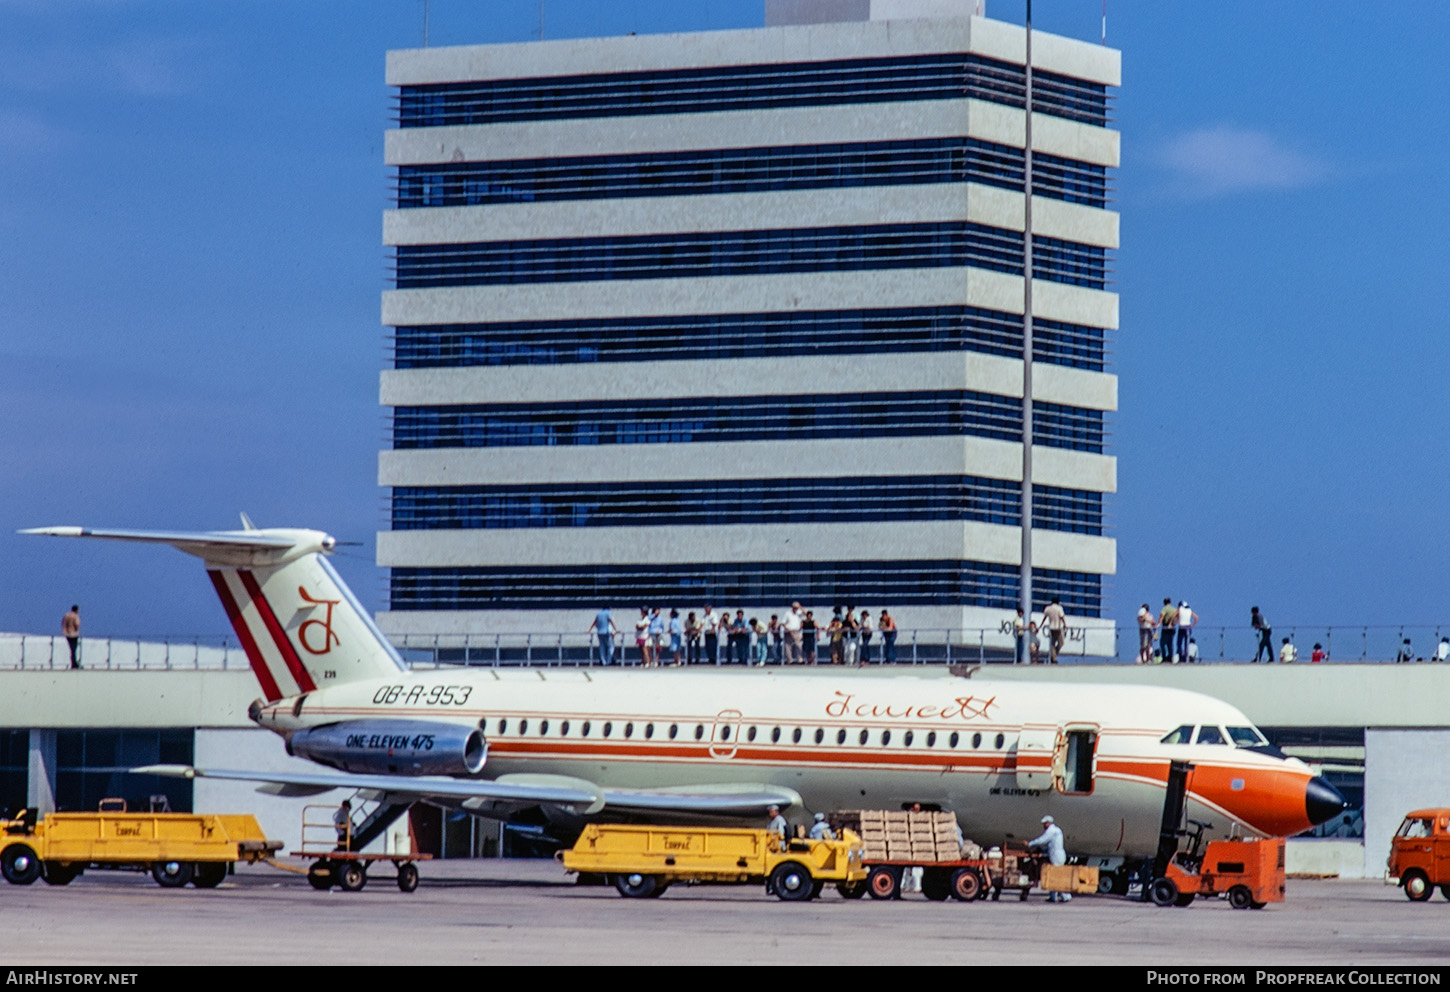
514,912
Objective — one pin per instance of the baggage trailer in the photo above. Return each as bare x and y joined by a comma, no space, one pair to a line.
897,841
642,861
176,848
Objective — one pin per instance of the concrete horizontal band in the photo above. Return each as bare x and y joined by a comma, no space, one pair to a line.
884,541
933,203
907,120
791,375
957,286
746,460
753,46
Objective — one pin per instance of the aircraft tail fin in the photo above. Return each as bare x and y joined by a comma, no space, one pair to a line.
299,623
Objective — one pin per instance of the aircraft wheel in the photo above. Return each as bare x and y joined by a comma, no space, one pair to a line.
19,864
936,885
883,882
1417,886
1163,892
321,875
352,876
792,882
966,885
1239,897
636,886
407,876
59,872
209,874
171,874
851,890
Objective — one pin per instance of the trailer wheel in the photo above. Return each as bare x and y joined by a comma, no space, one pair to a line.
321,875
351,876
1417,886
1163,892
209,874
636,885
792,882
407,876
171,874
966,885
19,864
851,890
884,882
1239,897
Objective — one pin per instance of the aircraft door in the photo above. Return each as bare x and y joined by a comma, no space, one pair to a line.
725,734
1035,749
1074,759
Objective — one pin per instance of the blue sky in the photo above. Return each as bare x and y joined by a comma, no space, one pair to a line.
190,204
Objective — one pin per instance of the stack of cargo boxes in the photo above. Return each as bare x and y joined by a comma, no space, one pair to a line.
918,838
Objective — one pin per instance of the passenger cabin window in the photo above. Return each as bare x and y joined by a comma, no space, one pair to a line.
584,730
674,729
607,728
906,739
976,741
1246,737
699,731
952,741
543,727
820,735
931,739
564,729
523,726
649,731
503,726
795,736
885,737
1000,741
775,735
628,730
865,735
1182,735
841,737
750,734
1210,735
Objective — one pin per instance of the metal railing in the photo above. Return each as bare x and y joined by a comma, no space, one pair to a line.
1375,643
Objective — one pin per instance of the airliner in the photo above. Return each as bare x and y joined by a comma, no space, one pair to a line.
705,745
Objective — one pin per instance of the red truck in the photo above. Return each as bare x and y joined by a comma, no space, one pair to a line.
1420,854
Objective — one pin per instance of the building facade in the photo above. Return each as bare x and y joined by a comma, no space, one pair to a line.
736,318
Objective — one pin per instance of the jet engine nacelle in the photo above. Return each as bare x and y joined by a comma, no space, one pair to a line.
393,747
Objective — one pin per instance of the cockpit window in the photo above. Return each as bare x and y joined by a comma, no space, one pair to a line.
1246,737
1414,827
1210,735
1182,735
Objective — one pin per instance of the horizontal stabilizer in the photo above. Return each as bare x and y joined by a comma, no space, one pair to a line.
211,538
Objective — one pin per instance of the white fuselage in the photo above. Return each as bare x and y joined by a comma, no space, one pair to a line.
998,754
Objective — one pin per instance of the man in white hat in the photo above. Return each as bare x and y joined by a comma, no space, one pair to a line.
1051,842
777,825
821,830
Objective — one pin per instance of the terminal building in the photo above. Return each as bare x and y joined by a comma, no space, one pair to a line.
736,317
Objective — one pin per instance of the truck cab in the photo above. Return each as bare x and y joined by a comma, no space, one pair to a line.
1420,854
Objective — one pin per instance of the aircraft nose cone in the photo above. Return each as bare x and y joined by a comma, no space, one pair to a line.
1322,801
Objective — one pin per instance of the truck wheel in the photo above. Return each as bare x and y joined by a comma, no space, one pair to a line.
1239,897
321,875
209,874
966,885
59,872
1417,886
1184,899
19,864
171,874
851,890
1163,892
636,886
407,876
352,876
883,882
792,882
1445,891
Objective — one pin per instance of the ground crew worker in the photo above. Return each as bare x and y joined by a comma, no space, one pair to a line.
821,830
342,821
778,826
1051,842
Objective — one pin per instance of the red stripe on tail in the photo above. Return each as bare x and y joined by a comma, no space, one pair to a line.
254,654
284,643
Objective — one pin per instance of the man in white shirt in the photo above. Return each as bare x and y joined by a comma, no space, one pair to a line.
1186,619
791,626
1056,621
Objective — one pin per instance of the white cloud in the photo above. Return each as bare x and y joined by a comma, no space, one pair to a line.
26,133
1221,160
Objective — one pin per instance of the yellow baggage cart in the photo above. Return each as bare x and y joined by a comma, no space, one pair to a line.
642,861
176,848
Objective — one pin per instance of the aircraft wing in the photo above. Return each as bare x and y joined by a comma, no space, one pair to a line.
509,790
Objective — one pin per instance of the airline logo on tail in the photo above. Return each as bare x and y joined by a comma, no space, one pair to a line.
299,624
